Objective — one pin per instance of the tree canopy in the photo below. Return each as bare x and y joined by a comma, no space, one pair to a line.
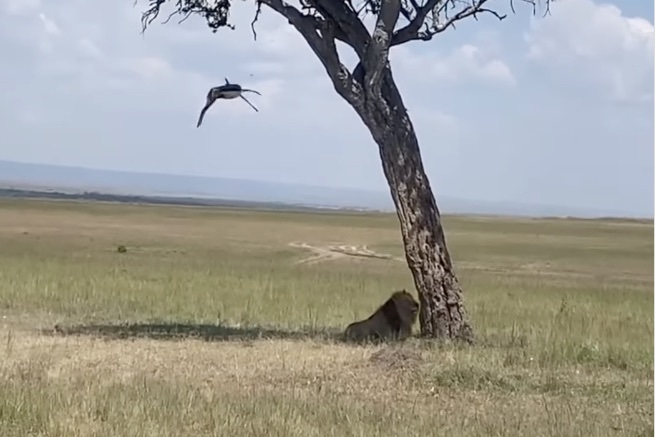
323,22
424,19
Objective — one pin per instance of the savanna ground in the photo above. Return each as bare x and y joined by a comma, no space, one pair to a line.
223,322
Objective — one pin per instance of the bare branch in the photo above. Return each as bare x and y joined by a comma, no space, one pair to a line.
412,30
254,20
348,27
377,52
215,12
436,16
533,3
415,5
408,8
323,45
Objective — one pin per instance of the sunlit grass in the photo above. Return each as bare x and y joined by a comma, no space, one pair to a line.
208,325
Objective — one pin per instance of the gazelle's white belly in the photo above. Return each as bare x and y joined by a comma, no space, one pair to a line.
231,94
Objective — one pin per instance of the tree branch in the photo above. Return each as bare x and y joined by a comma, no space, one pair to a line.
413,30
377,52
408,32
406,8
216,14
349,28
324,47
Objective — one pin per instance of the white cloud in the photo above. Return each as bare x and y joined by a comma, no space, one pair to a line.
88,48
150,67
119,69
438,119
110,56
19,7
105,92
467,62
49,25
589,43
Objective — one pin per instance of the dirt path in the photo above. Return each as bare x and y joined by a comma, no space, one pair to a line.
331,252
338,251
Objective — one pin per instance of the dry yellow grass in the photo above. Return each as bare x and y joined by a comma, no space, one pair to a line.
209,326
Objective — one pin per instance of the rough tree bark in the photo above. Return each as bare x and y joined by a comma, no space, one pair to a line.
372,92
442,312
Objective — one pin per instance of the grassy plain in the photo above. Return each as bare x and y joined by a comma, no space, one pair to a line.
211,324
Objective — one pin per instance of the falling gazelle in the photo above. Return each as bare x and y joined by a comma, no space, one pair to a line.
227,91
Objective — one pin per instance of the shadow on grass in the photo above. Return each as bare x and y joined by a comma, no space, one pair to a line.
182,331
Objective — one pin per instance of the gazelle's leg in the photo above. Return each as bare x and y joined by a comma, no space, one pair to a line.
246,90
251,105
202,115
211,98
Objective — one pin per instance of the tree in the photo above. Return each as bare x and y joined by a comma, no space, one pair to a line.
372,92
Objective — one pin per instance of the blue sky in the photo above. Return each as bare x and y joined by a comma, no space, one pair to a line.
555,110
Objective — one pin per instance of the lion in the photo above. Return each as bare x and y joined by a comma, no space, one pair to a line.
392,320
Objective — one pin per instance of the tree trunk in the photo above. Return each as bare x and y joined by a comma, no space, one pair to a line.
442,313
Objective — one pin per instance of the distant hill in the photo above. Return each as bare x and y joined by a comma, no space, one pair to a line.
40,177
165,188
151,200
